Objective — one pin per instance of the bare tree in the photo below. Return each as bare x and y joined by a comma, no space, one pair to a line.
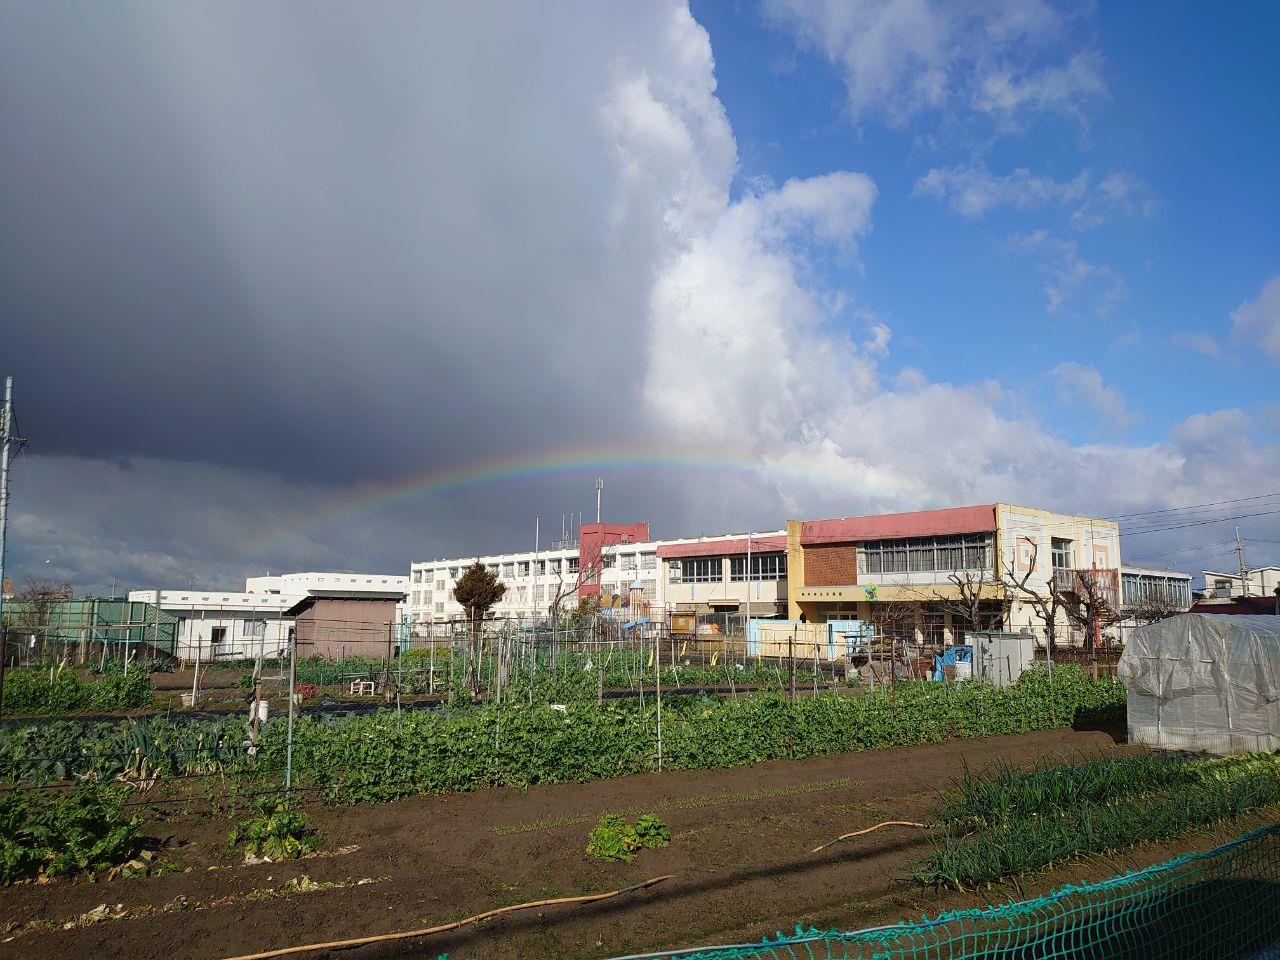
1046,604
975,592
563,589
32,613
1155,604
1090,602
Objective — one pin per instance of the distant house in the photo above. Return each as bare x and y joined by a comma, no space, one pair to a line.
1258,582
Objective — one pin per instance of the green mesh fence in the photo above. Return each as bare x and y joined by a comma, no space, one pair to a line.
1224,903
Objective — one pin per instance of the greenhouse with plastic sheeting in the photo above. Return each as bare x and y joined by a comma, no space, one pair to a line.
1203,681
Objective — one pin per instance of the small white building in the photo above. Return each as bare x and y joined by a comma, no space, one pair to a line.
1258,582
232,625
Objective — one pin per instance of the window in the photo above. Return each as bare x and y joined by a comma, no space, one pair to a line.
702,570
417,576
648,561
439,608
522,568
217,635
440,585
508,571
572,564
608,561
553,567
1061,553
539,568
627,561
492,568
971,551
453,573
764,566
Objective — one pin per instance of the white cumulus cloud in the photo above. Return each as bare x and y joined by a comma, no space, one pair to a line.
1256,322
1082,383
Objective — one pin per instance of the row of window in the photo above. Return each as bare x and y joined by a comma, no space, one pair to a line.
541,568
764,566
971,551
914,554
1141,588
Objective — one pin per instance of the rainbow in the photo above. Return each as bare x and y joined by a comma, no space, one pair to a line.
596,460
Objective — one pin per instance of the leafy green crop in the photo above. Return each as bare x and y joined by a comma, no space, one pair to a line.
280,831
613,838
135,749
652,832
57,690
61,834
383,756
1028,820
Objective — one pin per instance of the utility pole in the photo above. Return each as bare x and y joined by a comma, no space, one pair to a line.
746,640
599,487
1244,569
6,447
5,419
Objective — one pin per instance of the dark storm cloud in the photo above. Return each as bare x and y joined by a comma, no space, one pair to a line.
259,257
309,239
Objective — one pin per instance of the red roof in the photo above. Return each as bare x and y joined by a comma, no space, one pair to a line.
889,526
722,548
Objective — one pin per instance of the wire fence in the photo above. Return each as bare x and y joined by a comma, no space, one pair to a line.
1223,903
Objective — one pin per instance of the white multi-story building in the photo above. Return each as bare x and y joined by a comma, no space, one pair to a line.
230,625
622,566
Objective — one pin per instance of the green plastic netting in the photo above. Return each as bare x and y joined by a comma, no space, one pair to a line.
1223,903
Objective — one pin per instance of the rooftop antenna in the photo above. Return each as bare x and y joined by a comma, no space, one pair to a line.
599,487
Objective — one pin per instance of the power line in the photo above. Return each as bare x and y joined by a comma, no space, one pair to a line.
1212,503
1202,523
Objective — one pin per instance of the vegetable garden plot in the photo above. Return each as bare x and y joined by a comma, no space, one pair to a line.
1224,903
385,755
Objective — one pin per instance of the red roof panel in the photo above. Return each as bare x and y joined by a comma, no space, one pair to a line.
889,526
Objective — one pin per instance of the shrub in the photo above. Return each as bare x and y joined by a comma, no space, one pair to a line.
613,838
280,831
61,834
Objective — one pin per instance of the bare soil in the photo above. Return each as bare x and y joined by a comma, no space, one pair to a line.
739,857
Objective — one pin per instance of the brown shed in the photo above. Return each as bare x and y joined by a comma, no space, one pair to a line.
335,626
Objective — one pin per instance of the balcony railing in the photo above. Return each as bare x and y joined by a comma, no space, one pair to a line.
1101,584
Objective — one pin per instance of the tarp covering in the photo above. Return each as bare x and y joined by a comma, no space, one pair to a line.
1204,682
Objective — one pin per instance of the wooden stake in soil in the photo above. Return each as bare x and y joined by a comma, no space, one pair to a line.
426,931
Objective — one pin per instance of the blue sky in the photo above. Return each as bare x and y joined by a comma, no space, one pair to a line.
1189,114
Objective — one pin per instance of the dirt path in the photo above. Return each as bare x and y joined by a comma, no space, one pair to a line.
738,855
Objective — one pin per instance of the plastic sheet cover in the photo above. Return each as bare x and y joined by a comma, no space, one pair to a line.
1205,682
